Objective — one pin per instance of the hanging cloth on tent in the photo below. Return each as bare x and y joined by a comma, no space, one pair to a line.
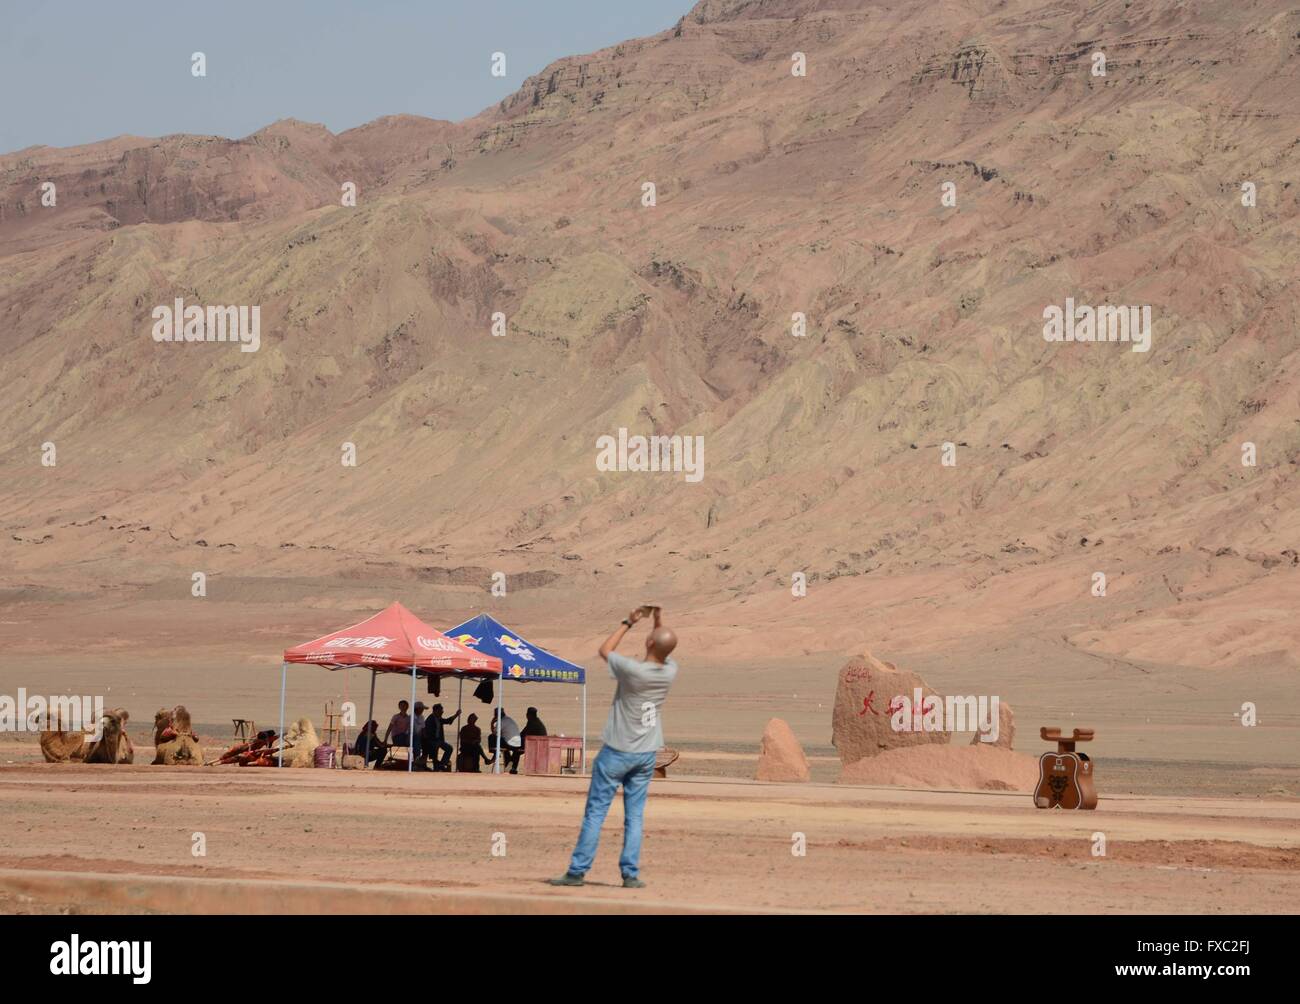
435,685
484,692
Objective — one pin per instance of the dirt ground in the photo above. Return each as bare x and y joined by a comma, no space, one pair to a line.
89,839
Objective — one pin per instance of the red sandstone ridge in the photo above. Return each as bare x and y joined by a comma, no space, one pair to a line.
776,195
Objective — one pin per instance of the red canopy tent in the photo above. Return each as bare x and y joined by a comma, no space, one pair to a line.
392,641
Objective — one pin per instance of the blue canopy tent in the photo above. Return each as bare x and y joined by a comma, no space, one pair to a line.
521,661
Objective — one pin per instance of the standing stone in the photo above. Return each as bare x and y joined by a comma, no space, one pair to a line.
1006,728
861,722
780,757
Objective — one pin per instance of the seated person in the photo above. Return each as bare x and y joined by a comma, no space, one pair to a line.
533,726
506,740
399,727
368,744
417,732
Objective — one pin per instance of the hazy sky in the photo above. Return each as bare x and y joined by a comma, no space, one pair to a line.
77,71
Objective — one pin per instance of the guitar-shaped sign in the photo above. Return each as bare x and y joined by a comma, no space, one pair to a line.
1065,777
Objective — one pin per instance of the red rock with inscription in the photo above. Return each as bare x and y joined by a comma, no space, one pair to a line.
865,701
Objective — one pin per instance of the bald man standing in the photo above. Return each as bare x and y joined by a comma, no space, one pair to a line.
633,734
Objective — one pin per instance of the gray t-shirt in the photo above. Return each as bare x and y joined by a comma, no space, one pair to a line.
509,732
634,724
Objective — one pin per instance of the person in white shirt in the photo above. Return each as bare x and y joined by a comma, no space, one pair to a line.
505,740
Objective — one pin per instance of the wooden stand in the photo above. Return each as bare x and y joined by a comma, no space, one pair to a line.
334,734
1065,777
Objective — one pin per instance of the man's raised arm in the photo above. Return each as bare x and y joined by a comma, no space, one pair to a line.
612,641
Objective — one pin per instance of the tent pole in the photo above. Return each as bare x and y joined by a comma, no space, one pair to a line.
284,679
410,735
584,724
460,700
369,718
501,700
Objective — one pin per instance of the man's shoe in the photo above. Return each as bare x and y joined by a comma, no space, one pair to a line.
633,883
568,879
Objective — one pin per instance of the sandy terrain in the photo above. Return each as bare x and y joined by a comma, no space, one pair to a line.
294,839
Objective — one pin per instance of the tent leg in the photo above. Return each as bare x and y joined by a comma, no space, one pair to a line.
369,718
410,737
501,700
460,700
284,679
584,726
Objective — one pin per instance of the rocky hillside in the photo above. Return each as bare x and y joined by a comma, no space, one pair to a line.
775,195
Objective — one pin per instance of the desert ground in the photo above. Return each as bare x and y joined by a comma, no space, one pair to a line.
346,842
1199,813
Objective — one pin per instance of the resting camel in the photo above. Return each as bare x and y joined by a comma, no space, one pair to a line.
162,721
114,745
58,746
175,744
303,737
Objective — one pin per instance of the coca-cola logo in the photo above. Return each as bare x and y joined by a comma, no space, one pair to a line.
437,644
375,641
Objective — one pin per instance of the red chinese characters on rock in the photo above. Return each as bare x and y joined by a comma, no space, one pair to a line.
865,704
896,705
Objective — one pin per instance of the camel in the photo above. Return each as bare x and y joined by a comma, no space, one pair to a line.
175,744
114,745
58,746
162,721
302,735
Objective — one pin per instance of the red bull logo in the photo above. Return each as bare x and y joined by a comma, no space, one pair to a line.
467,639
517,671
515,647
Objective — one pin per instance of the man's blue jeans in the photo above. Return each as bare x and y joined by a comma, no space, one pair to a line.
610,769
